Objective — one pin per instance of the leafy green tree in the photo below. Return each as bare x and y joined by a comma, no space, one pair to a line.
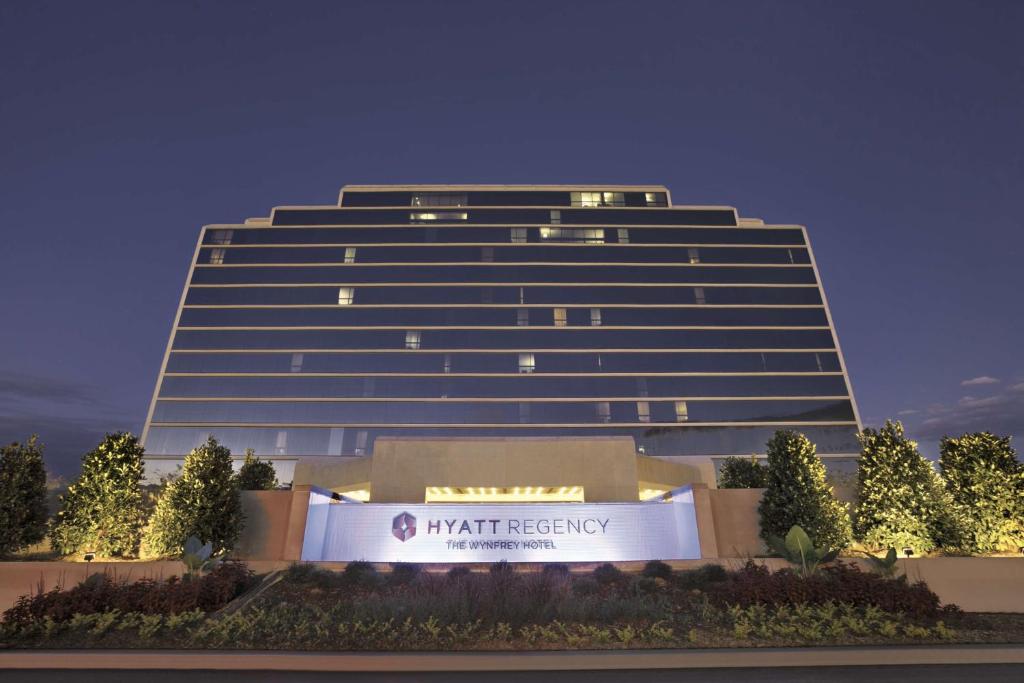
742,473
22,496
900,499
798,495
256,474
986,483
202,502
103,510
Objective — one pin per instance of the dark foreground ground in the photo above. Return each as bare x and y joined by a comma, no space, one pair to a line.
975,673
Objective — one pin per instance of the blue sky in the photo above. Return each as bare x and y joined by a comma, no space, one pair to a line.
891,129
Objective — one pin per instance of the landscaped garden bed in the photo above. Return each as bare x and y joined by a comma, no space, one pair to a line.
307,608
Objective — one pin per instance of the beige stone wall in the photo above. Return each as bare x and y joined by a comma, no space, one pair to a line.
736,522
267,524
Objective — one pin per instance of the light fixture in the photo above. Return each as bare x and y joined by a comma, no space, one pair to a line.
908,551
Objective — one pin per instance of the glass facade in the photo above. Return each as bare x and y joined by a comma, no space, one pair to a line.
462,311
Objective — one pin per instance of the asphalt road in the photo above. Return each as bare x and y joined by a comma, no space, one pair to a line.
984,673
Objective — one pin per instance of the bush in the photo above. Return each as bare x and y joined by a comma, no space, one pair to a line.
22,496
460,572
202,502
656,569
742,473
986,484
702,577
361,574
839,583
556,569
607,574
900,499
797,494
403,573
103,511
256,474
502,567
104,593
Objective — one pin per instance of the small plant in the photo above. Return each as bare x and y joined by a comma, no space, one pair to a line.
656,569
196,556
460,572
886,565
797,548
607,574
501,567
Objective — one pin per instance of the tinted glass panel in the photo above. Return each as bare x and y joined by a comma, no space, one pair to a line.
536,216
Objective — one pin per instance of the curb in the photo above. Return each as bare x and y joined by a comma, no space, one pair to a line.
510,661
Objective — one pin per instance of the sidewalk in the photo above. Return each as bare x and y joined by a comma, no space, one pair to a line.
510,661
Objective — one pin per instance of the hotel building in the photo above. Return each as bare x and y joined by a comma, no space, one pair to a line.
501,314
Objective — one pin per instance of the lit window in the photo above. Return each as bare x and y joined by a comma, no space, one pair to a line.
281,445
361,438
522,295
682,413
412,339
523,317
487,254
623,235
527,363
346,295
655,199
592,199
698,295
350,254
560,317
221,236
439,199
643,411
296,362
524,413
595,317
694,255
556,217
518,234
217,256
558,234
422,216
447,363
604,411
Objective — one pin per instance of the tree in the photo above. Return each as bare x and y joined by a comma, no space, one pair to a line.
256,474
23,510
986,483
798,495
202,502
900,499
742,473
103,510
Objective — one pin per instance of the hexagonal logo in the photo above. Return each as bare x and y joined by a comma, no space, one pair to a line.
403,527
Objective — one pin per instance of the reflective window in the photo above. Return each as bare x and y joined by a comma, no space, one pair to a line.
655,199
595,317
586,235
643,411
698,296
518,234
346,295
487,254
682,413
217,256
604,411
439,199
623,234
693,254
422,216
559,317
220,236
592,199
556,217
296,362
527,363
412,339
350,254
523,317
281,444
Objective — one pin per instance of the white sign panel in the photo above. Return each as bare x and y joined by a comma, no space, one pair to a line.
534,532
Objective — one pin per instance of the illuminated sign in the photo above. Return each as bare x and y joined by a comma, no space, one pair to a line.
534,532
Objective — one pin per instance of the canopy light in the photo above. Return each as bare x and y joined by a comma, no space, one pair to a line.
504,494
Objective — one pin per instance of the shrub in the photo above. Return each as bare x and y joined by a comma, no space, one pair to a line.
501,567
797,494
900,500
742,473
840,583
986,484
104,593
702,577
656,569
202,502
103,510
607,574
22,496
361,574
556,569
403,573
256,474
459,572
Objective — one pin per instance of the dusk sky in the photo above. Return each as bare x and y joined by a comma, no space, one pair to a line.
892,130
